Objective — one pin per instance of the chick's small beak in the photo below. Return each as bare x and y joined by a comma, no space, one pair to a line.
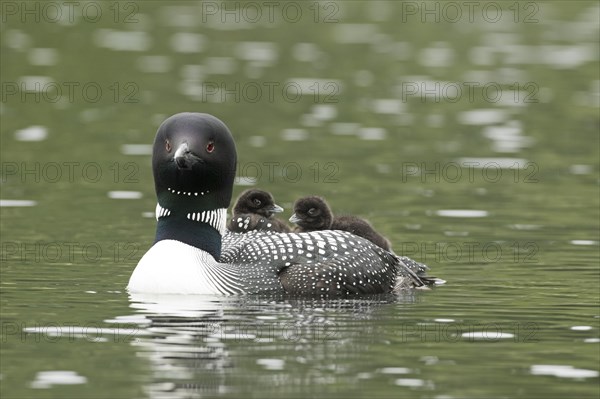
294,218
276,209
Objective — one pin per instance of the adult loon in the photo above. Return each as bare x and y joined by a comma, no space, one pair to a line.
254,210
193,162
313,213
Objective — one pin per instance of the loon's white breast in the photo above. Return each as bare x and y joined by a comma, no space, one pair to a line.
173,267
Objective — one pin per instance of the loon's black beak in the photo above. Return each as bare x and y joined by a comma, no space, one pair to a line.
184,158
295,219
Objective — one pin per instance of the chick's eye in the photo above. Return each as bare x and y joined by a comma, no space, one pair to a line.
167,146
210,147
257,202
312,211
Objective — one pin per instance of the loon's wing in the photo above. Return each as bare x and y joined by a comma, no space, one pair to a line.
320,263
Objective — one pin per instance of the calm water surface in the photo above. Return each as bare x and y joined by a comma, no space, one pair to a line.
471,143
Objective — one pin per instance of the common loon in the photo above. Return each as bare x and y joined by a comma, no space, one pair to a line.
254,210
313,213
194,162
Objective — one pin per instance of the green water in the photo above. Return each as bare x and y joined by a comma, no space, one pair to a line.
405,120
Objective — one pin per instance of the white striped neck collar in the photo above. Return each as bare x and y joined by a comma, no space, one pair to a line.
216,218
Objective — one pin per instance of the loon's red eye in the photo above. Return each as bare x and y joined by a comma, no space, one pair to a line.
167,146
210,147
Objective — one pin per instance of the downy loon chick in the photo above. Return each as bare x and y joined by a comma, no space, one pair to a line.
254,210
194,162
313,213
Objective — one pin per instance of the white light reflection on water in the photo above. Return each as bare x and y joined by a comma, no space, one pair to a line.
395,370
186,42
507,137
562,371
411,382
16,203
581,328
46,379
487,335
390,106
581,169
439,55
488,116
372,133
257,51
462,213
324,112
583,242
32,133
125,195
271,364
123,40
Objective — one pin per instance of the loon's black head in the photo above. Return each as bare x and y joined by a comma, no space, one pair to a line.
312,213
193,160
257,202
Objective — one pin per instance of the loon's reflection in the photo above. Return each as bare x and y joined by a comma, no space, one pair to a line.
201,346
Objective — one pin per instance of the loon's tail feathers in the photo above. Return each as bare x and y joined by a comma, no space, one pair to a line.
412,275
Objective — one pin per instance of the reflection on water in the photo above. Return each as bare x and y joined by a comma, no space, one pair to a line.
32,133
10,203
461,213
45,379
193,343
562,371
125,194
